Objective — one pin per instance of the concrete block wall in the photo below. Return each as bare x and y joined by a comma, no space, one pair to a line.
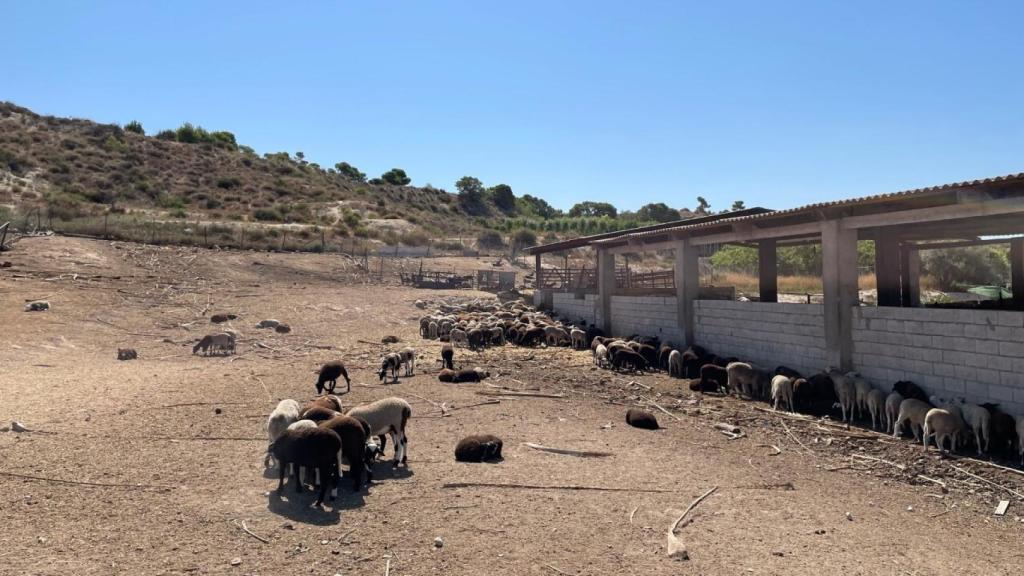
647,316
974,354
569,306
765,333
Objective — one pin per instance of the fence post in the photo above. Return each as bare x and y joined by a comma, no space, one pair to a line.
284,237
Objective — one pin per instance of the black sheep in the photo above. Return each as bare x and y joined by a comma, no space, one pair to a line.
353,434
593,332
641,419
663,353
317,413
460,376
531,336
815,395
908,389
447,357
625,357
650,353
477,339
713,378
478,448
652,341
787,372
328,377
1002,430
310,447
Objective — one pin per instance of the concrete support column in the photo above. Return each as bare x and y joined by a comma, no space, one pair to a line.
910,276
839,277
605,287
767,270
687,279
536,271
887,269
1017,270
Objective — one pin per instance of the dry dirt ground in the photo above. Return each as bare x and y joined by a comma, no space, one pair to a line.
134,471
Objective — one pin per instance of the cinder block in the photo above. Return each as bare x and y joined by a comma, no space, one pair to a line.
987,375
1014,349
975,388
1000,393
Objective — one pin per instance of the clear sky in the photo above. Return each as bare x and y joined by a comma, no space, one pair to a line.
776,103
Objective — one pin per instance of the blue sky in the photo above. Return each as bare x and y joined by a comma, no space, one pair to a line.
775,103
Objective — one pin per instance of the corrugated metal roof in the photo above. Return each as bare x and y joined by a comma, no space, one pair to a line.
820,205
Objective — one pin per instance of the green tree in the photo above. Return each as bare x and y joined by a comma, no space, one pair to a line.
471,195
538,206
396,176
490,239
659,212
523,238
349,171
135,126
703,206
738,205
595,209
503,198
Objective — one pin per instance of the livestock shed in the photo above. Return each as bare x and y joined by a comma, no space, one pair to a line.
976,353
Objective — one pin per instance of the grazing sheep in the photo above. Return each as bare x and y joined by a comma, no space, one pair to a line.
327,378
786,371
310,447
220,342
390,362
650,353
943,425
782,391
353,434
317,413
815,395
876,407
555,336
477,339
478,448
692,362
432,330
127,354
978,420
269,323
408,356
497,336
300,424
942,403
459,337
601,355
912,411
713,379
892,409
286,413
221,318
594,332
387,416
675,364
846,392
1020,438
908,389
1003,429
531,336
37,306
448,357
578,338
424,326
625,357
641,419
861,389
462,376
331,402
746,379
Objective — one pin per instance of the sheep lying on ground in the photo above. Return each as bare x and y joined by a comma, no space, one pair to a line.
221,318
220,342
269,323
447,357
408,356
390,362
387,416
353,434
328,377
286,412
876,406
37,306
892,410
478,448
310,447
978,420
462,376
943,425
782,392
846,393
912,411
127,354
641,419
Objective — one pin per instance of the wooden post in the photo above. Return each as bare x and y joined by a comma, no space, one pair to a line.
839,278
1017,270
910,276
687,278
536,271
605,287
767,270
323,242
887,269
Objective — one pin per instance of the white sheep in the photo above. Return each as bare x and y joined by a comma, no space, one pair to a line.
861,389
746,379
913,411
892,410
554,335
220,342
675,364
408,355
846,392
459,337
978,420
876,406
299,424
578,338
286,413
387,416
943,424
782,391
268,323
37,306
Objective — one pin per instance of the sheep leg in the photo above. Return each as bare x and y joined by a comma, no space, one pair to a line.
398,448
323,485
298,478
280,477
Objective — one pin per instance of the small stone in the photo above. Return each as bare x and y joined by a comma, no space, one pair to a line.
236,561
18,427
325,542
819,531
218,411
288,526
849,516
910,508
438,542
42,540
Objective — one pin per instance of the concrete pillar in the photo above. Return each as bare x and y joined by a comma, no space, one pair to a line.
839,277
767,270
910,276
687,279
887,269
1017,270
605,287
536,272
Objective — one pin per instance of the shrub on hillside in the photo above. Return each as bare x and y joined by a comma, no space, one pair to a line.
267,215
134,126
490,239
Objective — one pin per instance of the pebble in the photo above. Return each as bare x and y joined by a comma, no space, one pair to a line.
849,516
217,411
236,561
438,542
910,508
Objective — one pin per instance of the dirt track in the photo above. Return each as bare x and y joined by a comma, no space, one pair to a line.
186,473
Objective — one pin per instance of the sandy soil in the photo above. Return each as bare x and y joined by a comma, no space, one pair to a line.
171,480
